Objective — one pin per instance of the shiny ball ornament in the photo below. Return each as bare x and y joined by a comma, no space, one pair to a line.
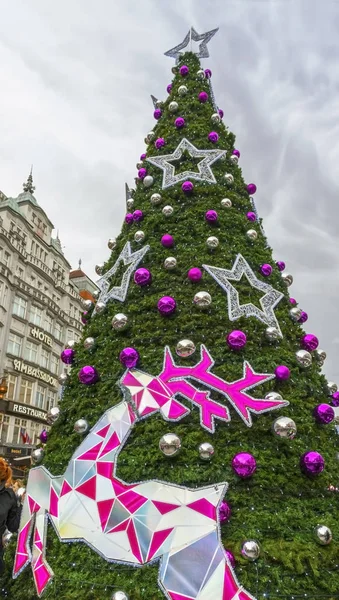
37,456
6,538
99,268
320,355
129,218
53,414
216,119
182,90
229,178
139,166
43,436
129,357
67,356
89,343
236,152
84,317
81,426
206,451
203,97
119,595
303,317
201,74
173,107
167,211
274,396
138,216
87,306
281,265
179,123
208,73
63,378
285,428
324,414
212,242
312,463
194,274
170,444
155,199
159,104
230,558
169,88
112,241
166,305
187,187
147,181
184,70
70,344
100,307
213,137
252,234
142,277
272,334
150,137
295,313
266,270
250,550
304,358
335,399
309,342
96,294
236,339
211,216
202,299
282,373
251,188
293,301
139,236
244,465
224,512
159,143
167,241
287,278
234,159
185,348
226,203
170,263
157,114
323,535
119,322
331,387
88,375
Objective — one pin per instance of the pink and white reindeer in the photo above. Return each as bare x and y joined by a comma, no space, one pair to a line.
147,521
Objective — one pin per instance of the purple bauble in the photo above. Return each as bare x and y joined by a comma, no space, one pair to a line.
236,152
67,356
266,270
159,143
230,558
43,436
208,73
88,375
293,301
179,123
224,512
84,317
309,342
129,357
236,339
142,173
280,264
203,97
169,88
138,215
166,305
221,113
244,464
143,156
187,187
303,317
194,274
167,241
211,216
312,463
251,188
335,399
324,413
142,277
184,70
213,137
282,372
251,216
129,218
157,114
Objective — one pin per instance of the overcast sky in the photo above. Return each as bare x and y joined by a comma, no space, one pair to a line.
75,85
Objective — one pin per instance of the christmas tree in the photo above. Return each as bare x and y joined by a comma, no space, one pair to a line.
193,453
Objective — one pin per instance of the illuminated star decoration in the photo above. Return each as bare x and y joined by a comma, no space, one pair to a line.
119,292
235,309
208,157
186,44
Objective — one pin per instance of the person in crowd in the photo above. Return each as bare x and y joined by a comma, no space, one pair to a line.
17,485
10,507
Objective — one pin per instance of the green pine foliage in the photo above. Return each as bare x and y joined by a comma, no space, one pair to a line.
279,506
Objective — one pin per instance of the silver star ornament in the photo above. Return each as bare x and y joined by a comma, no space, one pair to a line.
235,309
208,157
186,44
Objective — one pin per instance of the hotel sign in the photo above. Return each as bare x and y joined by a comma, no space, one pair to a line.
21,366
41,336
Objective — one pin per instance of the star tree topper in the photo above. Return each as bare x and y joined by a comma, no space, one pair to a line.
186,44
235,309
204,166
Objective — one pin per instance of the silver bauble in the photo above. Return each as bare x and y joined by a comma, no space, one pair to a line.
284,427
139,236
119,595
170,444
63,378
272,334
323,535
252,234
234,159
111,243
173,107
147,181
150,136
96,294
320,355
185,348
331,387
287,278
100,307
155,199
229,178
174,69
273,396
87,304
139,165
170,263
202,299
167,211
70,344
201,74
182,90
226,203
304,358
251,550
6,538
89,343
119,321
159,104
295,313
99,268
37,456
206,451
130,203
54,412
215,118
212,242
81,426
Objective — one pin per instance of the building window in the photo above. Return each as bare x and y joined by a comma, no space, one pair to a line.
19,307
51,399
11,384
14,344
4,300
54,363
7,258
4,424
48,325
36,315
20,272
44,358
40,397
26,390
31,352
58,331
